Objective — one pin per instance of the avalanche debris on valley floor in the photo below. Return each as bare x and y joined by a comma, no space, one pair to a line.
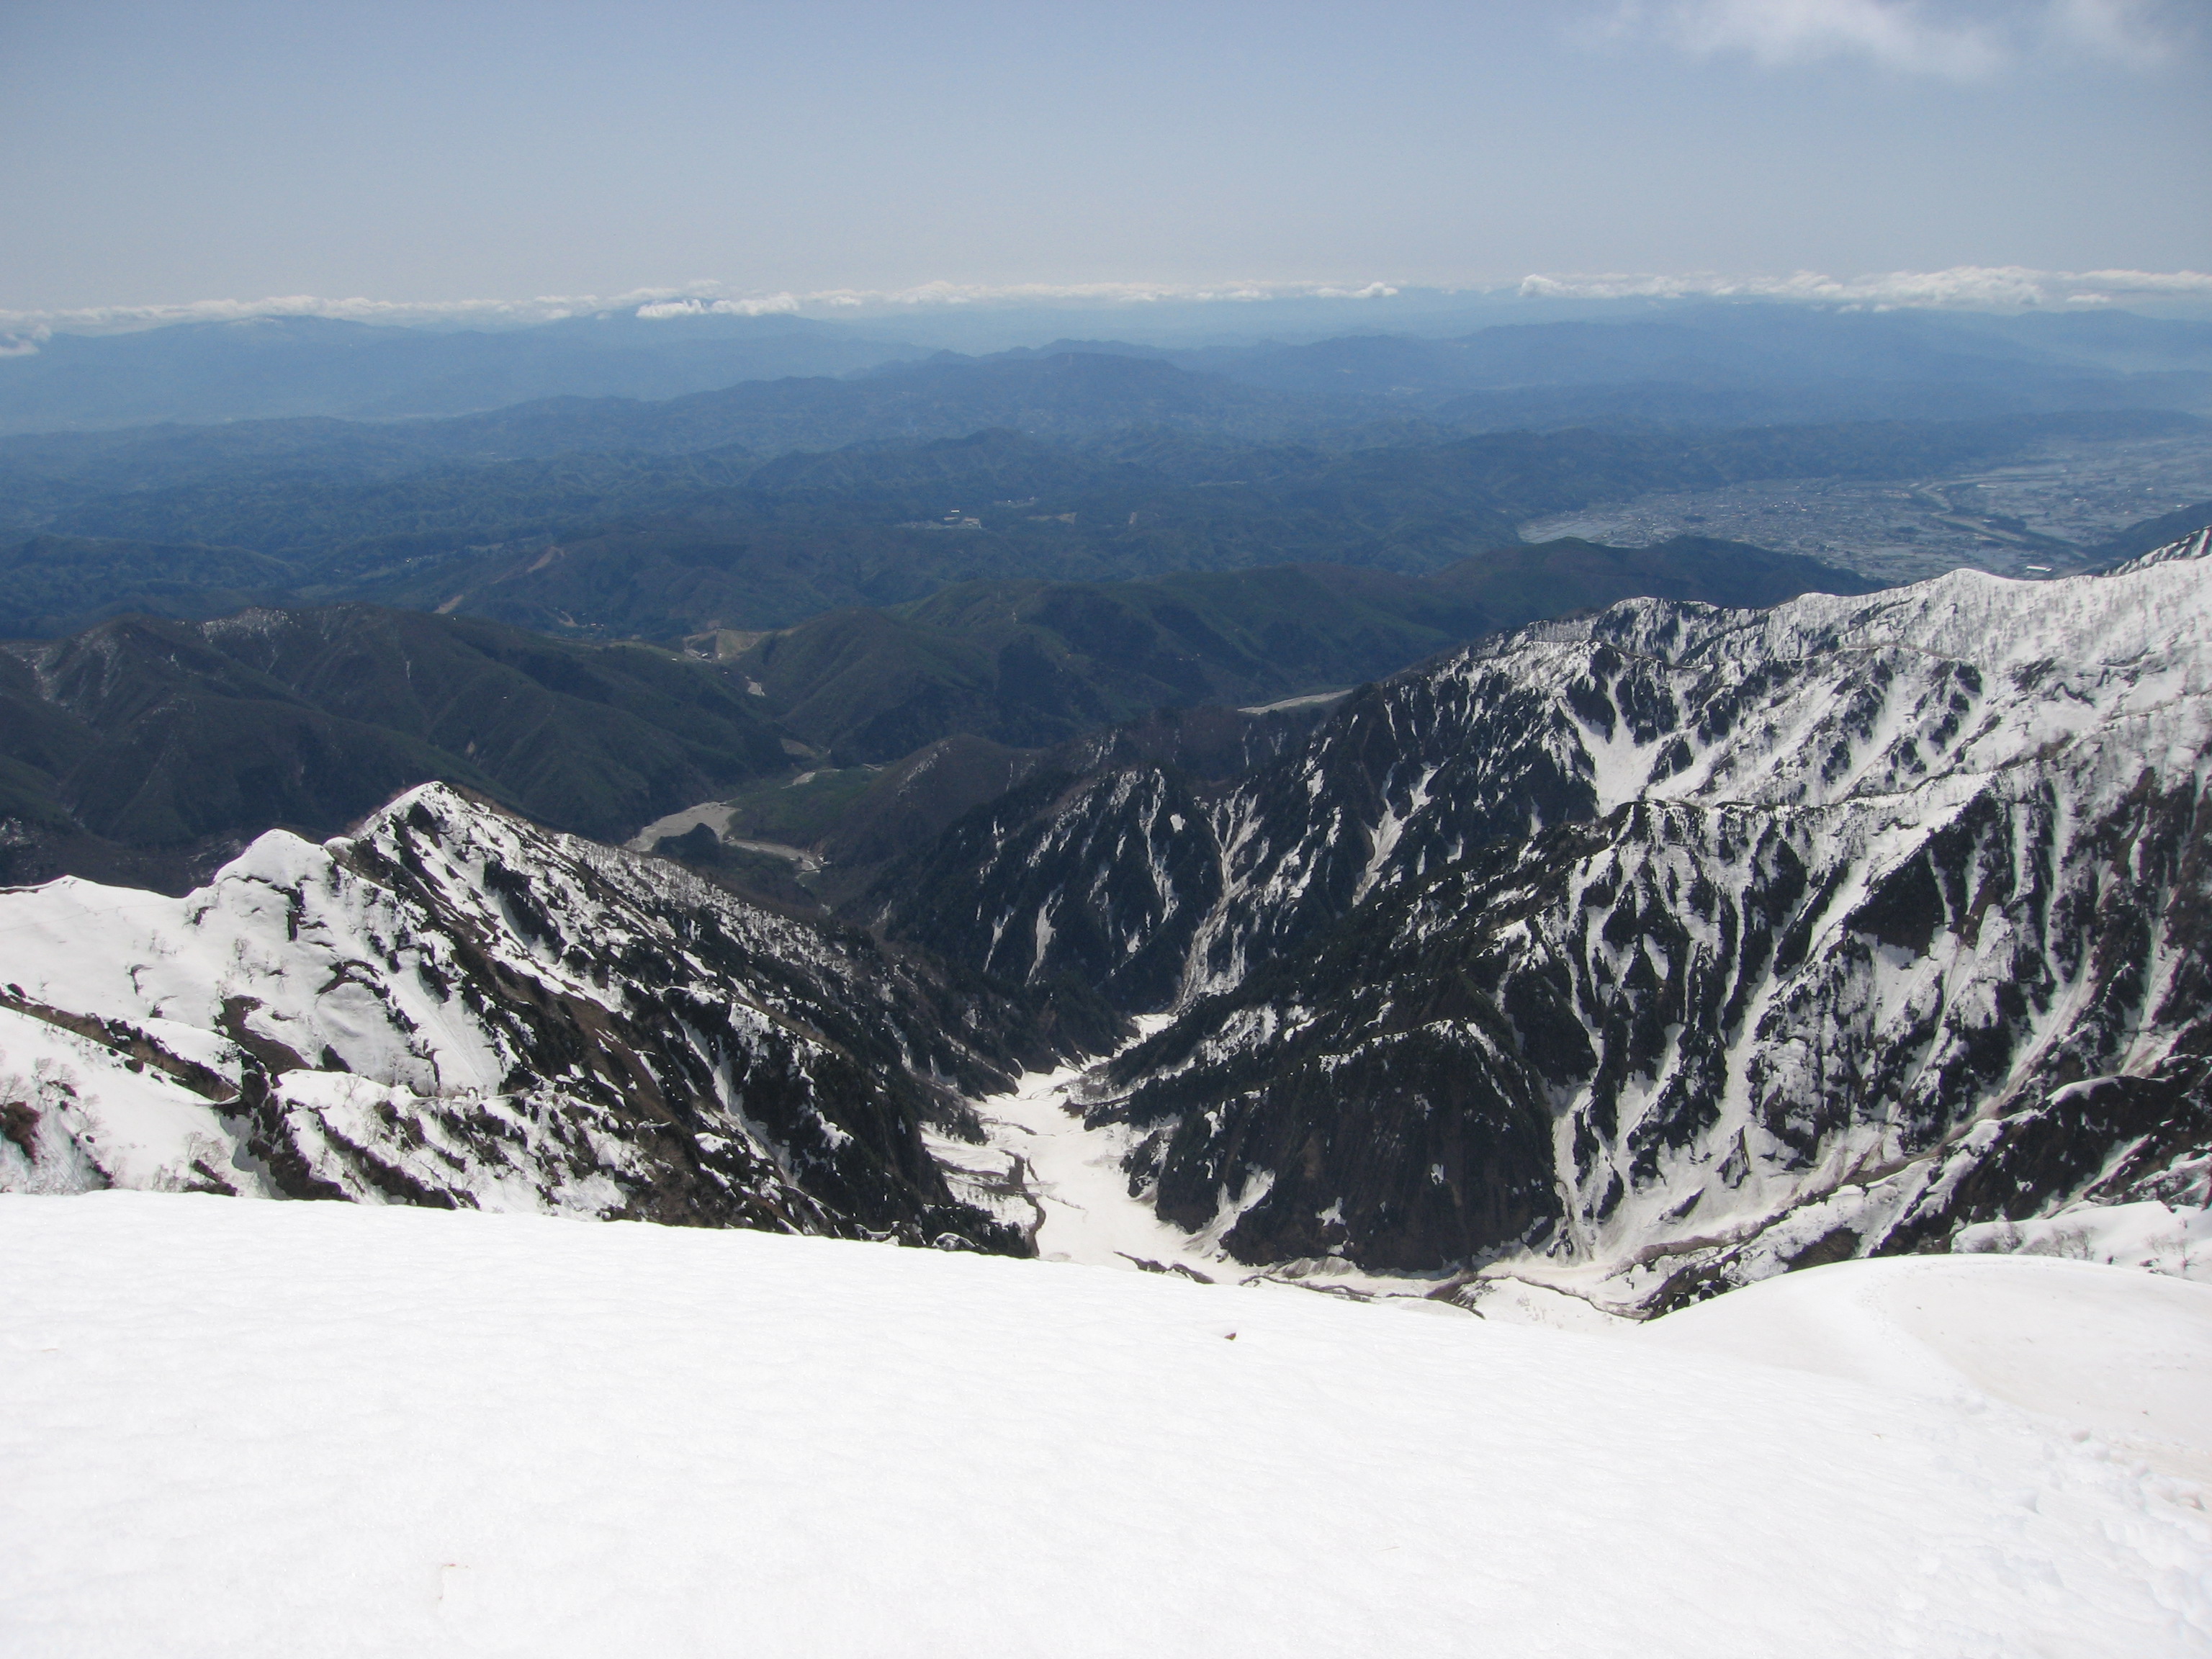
1641,956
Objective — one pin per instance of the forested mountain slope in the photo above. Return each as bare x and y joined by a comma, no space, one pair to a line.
149,751
1033,663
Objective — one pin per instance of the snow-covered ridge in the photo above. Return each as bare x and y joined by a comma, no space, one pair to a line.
1674,946
2185,547
1921,691
452,1006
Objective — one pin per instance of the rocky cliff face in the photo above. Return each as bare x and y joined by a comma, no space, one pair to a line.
1673,945
453,1007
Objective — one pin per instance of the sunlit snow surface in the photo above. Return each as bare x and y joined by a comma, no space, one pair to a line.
251,1429
2125,1356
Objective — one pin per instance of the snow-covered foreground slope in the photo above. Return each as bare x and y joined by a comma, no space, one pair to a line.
256,1429
2125,1356
454,1006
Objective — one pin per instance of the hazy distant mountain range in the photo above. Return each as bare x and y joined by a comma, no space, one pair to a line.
267,368
1143,471
1700,362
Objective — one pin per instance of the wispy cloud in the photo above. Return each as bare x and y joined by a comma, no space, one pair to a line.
2142,35
1893,34
35,325
1963,287
1976,287
691,300
1951,39
943,294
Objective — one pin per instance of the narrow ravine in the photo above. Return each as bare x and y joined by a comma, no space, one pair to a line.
1042,1169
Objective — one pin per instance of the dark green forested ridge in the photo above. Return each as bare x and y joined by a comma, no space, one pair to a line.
55,585
1030,664
182,739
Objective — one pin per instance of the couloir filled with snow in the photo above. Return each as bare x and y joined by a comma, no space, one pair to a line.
251,1429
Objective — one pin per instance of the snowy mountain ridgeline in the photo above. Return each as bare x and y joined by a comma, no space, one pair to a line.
1660,950
452,1008
1641,955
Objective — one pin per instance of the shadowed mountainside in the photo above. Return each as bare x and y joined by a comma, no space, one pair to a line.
1032,663
142,750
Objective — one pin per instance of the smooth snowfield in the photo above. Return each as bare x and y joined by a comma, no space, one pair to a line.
2126,1356
295,1429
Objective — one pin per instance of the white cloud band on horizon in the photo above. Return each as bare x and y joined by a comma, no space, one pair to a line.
1971,288
692,300
1965,286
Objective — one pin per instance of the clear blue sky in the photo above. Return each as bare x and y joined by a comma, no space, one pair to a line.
421,152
